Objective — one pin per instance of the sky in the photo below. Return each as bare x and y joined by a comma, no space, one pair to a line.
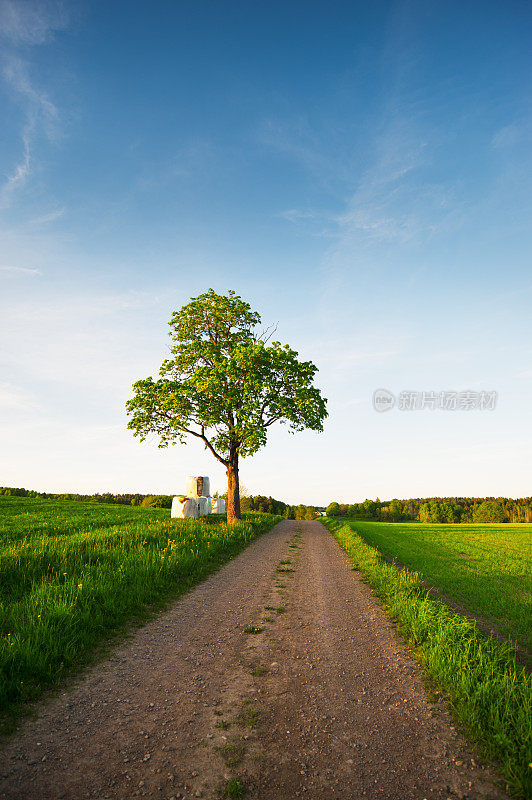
360,173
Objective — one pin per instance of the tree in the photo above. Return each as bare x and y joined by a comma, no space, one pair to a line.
489,511
370,508
333,510
396,510
225,385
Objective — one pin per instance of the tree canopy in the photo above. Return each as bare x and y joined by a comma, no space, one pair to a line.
226,384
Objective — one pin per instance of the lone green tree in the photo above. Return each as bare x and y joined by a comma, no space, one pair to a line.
225,384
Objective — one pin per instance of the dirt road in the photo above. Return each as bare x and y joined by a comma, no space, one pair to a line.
324,702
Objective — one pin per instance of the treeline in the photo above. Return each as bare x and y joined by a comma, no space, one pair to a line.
438,510
266,505
270,506
152,501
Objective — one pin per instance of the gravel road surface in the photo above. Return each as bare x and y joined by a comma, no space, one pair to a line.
286,677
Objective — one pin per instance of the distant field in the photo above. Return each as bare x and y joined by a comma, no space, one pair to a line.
486,568
71,573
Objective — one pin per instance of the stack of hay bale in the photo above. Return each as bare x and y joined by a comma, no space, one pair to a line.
196,502
218,505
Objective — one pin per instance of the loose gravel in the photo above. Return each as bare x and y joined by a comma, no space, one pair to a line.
320,698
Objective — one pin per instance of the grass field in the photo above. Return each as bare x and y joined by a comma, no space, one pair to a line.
488,692
72,573
486,568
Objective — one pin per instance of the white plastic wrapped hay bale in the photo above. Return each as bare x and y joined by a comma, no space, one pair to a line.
205,505
177,506
198,486
184,507
218,505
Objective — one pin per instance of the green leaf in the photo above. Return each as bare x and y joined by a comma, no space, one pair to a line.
224,383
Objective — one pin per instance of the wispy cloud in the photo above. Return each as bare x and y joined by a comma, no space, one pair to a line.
16,75
23,25
77,340
388,179
515,134
295,139
295,215
21,170
20,271
398,197
13,398
27,22
51,216
196,159
323,224
354,359
343,356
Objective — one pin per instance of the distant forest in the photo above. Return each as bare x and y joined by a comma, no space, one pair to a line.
438,510
253,503
152,501
428,509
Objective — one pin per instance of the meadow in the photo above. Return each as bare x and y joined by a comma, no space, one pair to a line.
485,568
489,693
72,574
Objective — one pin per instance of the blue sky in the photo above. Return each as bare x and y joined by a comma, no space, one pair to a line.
360,173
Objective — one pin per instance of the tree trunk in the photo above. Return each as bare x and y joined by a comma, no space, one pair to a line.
233,490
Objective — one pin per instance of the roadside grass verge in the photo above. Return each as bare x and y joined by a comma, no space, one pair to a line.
71,582
489,693
485,568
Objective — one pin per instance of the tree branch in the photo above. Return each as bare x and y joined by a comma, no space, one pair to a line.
209,445
272,420
267,333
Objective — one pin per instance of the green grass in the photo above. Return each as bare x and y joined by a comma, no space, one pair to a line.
234,789
248,715
485,568
232,753
489,693
73,573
